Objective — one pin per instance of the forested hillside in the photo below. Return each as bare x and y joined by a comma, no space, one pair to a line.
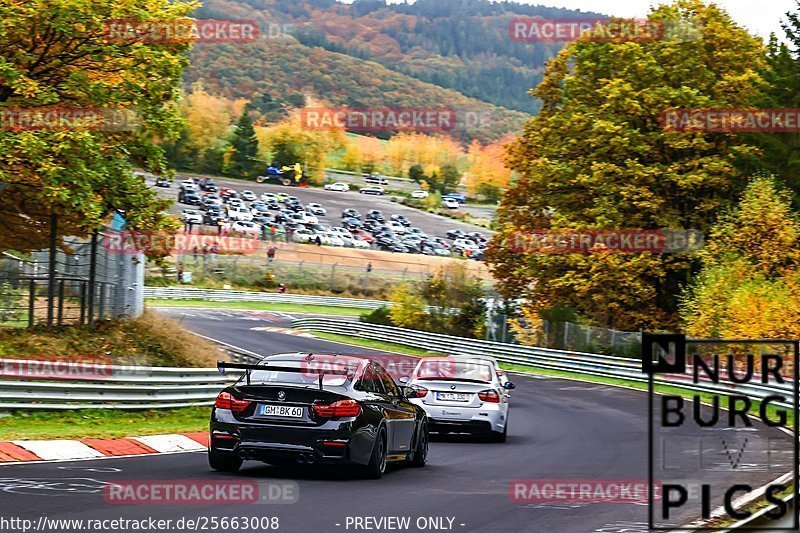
454,53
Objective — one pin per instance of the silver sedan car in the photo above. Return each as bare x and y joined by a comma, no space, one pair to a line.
462,395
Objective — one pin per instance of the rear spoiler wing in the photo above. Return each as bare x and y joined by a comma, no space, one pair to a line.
223,366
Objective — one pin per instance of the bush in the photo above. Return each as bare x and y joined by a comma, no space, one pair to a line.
380,316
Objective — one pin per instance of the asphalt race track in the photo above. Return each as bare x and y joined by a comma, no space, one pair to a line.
559,429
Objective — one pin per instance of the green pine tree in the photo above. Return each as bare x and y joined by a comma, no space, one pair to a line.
243,162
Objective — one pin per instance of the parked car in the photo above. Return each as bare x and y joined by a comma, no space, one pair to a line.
248,196
419,194
352,223
338,187
163,182
331,238
192,215
208,185
303,235
377,180
417,231
401,219
351,213
462,245
456,234
459,197
362,234
189,198
396,227
374,214
308,218
268,197
376,190
247,227
240,213
316,209
435,248
359,242
450,203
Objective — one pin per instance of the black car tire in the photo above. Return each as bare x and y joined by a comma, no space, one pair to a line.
224,463
377,461
420,456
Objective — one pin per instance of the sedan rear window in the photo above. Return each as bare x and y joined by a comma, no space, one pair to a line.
457,370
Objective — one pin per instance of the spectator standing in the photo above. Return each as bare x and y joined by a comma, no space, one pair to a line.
271,253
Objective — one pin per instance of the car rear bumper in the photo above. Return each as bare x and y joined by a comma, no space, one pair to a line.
336,444
478,420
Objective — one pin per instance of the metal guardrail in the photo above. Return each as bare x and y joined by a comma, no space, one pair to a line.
216,295
565,361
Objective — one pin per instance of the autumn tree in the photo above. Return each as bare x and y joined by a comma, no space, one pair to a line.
750,279
781,151
288,142
61,54
597,158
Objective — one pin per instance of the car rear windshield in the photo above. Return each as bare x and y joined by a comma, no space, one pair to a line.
304,373
456,370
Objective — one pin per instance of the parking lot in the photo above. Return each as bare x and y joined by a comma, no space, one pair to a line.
430,225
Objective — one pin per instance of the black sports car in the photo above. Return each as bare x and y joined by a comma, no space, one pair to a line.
309,408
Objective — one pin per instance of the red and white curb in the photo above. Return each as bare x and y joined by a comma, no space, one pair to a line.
285,331
28,451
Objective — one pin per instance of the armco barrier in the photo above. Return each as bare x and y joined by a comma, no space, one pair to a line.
565,361
28,384
216,295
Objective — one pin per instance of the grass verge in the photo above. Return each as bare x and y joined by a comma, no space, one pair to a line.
101,423
375,345
149,340
261,306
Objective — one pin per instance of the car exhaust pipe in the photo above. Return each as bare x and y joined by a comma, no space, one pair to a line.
311,459
301,458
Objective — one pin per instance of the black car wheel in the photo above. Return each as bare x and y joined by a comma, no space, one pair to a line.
420,456
224,463
377,462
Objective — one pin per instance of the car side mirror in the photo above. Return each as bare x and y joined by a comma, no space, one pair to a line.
508,385
408,392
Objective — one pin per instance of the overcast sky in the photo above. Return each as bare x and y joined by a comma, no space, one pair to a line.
759,16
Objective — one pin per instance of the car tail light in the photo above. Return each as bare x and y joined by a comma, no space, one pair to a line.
340,409
421,391
489,396
226,401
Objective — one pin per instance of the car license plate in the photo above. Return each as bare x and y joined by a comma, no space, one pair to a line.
280,410
453,396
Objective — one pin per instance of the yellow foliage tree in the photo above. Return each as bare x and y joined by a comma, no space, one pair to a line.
208,117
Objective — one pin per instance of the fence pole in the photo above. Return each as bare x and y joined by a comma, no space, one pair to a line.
82,298
92,278
51,274
31,302
60,301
